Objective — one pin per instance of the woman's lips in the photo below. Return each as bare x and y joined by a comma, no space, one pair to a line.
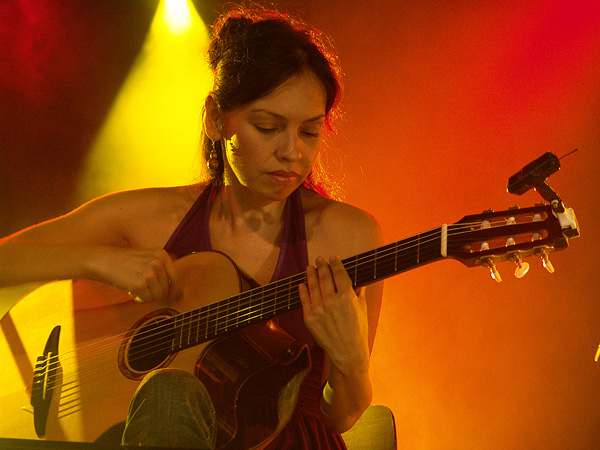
283,176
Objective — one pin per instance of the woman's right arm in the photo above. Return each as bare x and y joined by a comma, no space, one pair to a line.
92,242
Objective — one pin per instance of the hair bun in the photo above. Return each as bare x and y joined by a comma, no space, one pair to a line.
225,35
234,27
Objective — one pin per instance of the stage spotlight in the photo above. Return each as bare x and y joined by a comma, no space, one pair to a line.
177,15
151,134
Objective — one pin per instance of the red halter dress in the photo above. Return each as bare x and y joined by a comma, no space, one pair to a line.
305,430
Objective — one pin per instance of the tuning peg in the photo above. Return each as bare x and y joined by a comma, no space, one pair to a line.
522,267
493,270
543,255
547,264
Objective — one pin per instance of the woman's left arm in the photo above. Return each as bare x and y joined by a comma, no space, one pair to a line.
343,322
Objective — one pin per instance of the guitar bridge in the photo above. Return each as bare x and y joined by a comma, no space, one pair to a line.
44,379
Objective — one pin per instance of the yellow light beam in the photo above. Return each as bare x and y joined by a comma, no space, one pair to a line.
151,134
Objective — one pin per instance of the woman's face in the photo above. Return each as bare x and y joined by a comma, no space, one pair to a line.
271,143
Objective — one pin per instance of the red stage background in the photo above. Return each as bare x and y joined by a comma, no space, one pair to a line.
444,101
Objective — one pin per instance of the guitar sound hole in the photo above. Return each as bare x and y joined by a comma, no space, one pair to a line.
148,346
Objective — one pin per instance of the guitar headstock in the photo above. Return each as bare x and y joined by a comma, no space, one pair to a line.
512,235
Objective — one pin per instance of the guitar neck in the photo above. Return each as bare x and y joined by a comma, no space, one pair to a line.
265,302
401,256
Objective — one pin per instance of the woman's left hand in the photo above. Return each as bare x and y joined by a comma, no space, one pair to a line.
335,315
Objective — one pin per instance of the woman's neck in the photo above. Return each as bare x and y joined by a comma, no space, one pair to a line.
239,207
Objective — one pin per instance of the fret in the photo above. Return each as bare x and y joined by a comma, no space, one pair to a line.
237,311
226,316
193,338
200,326
252,308
212,322
217,315
223,313
261,305
375,265
176,332
180,329
194,328
289,294
249,307
185,330
265,307
274,300
188,328
291,288
205,321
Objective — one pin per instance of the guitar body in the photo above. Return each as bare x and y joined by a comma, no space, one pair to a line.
236,369
98,373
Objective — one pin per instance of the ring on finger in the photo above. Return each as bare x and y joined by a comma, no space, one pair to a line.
135,297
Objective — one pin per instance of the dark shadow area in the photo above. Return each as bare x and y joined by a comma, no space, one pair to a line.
62,64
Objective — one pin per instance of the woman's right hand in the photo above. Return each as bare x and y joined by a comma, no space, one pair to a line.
148,274
117,239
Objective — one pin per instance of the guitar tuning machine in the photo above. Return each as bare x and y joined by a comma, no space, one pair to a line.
522,267
489,263
543,255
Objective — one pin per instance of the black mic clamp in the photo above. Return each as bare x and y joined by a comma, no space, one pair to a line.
534,175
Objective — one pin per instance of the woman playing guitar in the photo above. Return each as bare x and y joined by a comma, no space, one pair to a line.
263,204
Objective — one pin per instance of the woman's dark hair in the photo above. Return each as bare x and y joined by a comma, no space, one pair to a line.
253,51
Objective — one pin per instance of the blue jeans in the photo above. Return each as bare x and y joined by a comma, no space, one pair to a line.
171,408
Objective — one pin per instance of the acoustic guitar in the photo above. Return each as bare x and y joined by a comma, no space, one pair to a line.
73,352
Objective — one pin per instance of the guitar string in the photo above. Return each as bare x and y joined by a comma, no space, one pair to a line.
211,311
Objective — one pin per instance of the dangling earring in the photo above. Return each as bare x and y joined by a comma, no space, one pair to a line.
213,159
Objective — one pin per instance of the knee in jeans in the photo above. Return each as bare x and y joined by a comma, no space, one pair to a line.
171,408
176,382
170,377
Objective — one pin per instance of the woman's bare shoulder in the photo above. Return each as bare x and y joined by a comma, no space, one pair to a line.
140,218
147,217
338,227
148,200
